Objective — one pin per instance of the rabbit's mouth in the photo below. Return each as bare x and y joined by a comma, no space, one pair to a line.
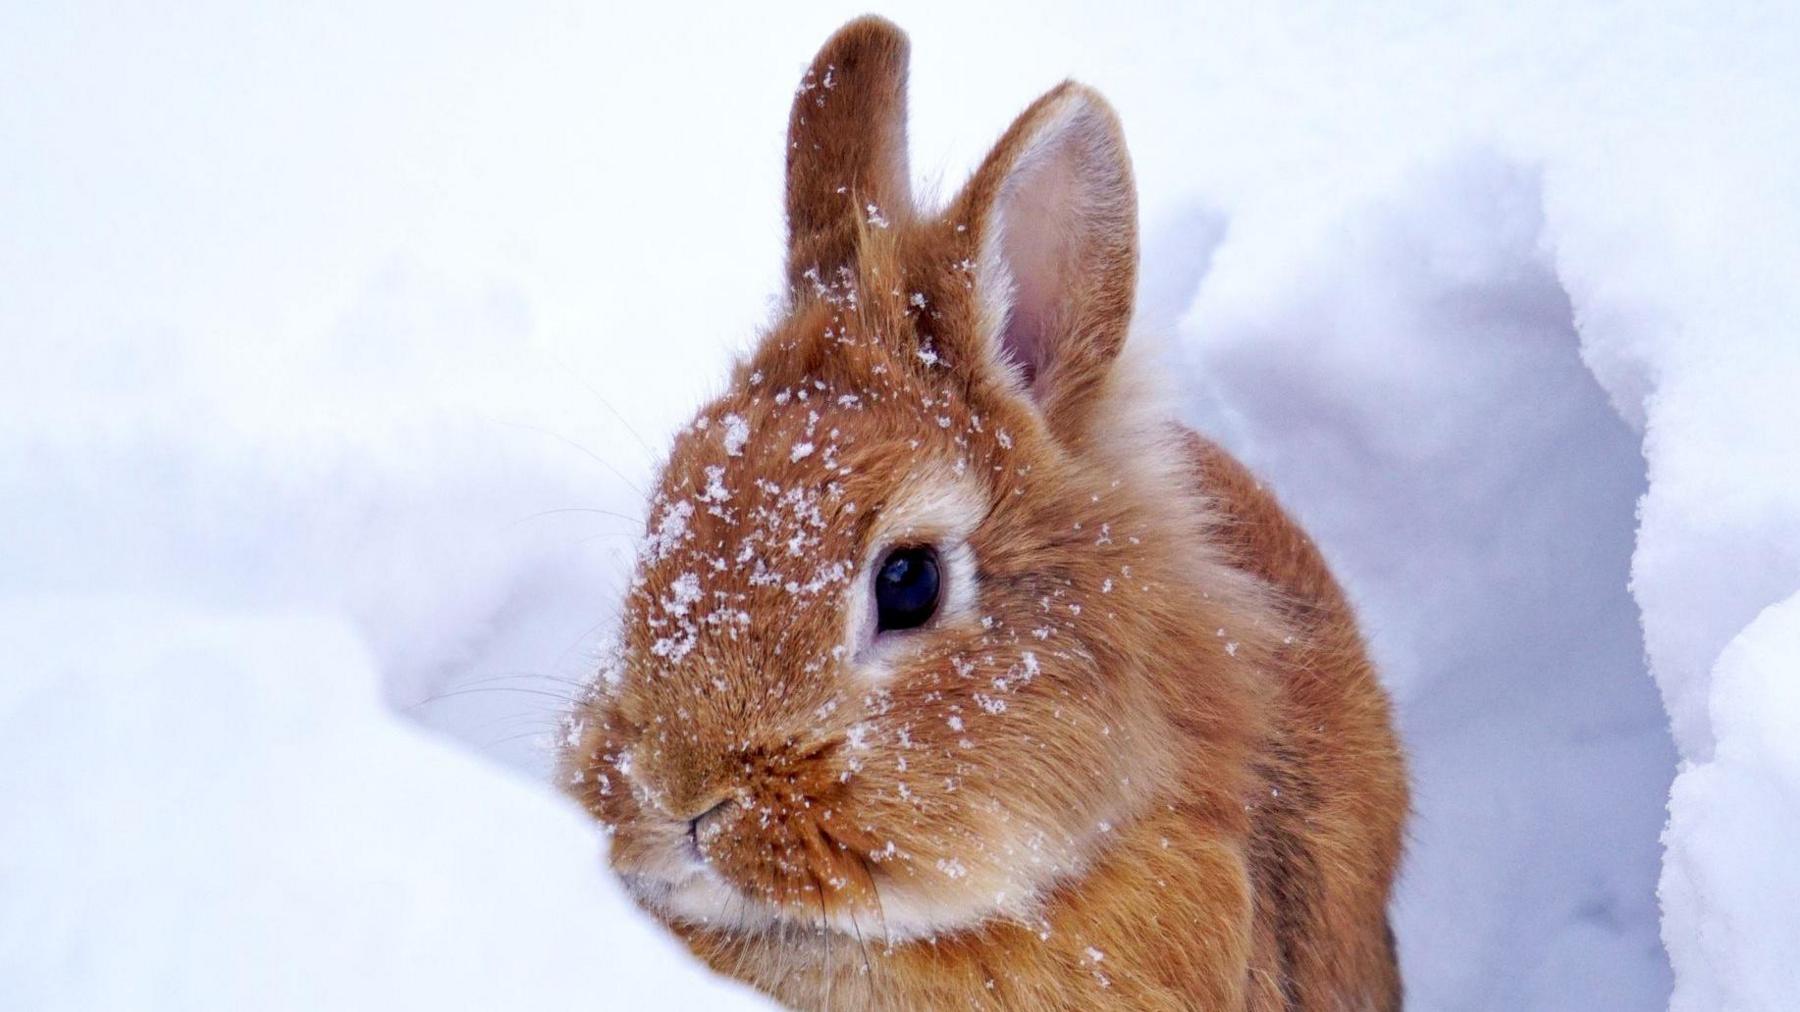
702,898
714,880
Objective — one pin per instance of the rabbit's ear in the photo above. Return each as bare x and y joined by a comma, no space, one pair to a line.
1054,211
846,155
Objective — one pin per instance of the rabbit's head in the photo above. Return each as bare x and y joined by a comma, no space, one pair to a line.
882,660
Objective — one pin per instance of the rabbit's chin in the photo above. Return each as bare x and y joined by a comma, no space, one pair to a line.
699,896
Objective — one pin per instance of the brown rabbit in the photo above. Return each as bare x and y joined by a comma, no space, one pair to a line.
954,673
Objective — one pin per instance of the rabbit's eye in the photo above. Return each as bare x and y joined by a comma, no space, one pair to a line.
906,588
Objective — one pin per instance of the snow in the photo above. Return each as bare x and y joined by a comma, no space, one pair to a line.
214,810
340,348
1729,876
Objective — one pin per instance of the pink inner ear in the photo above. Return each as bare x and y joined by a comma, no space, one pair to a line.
1042,214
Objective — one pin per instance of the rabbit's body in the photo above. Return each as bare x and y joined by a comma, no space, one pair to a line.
1128,753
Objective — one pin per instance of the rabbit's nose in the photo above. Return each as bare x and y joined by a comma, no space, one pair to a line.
707,824
697,786
685,778
694,800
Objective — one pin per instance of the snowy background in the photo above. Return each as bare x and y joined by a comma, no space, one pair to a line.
337,343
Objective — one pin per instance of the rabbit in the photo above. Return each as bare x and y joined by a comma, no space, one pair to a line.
953,672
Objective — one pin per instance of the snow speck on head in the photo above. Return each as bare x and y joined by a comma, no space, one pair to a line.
737,433
683,592
671,530
716,492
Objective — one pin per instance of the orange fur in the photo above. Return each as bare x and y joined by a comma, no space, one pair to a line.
1148,766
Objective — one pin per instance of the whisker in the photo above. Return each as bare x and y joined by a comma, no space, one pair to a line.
863,946
542,735
719,917
649,452
825,978
634,538
635,522
476,690
874,893
587,637
527,676
596,458
547,723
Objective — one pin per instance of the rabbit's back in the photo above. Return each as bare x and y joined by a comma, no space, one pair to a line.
1327,837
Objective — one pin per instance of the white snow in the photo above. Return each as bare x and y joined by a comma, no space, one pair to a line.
1728,882
205,809
339,348
737,433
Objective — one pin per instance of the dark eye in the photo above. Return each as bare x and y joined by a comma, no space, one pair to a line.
906,588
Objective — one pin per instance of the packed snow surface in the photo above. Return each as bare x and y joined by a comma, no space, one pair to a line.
340,345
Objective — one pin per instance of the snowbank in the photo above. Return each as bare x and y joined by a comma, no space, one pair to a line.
1415,389
1728,884
374,323
215,811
